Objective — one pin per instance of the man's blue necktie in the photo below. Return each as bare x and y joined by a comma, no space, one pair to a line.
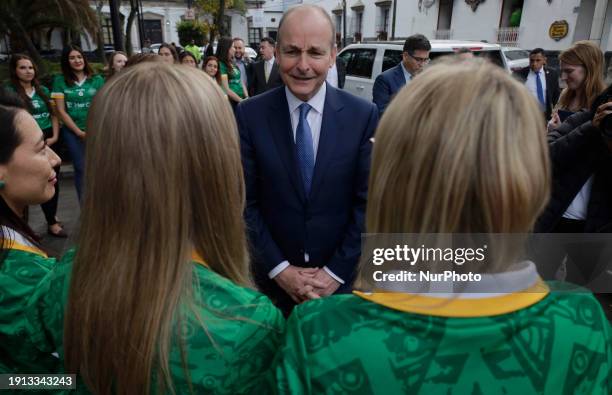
540,89
304,148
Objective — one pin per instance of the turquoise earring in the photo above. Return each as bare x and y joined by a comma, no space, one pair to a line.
2,184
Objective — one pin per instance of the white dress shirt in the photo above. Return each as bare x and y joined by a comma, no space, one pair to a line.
407,74
314,119
332,76
532,86
577,209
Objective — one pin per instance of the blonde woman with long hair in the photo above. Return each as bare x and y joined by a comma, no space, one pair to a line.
582,70
436,171
156,297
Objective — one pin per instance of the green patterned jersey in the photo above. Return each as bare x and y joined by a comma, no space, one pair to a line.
229,356
40,111
21,272
350,344
77,97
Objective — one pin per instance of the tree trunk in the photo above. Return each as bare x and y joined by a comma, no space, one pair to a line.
129,48
219,19
29,46
100,41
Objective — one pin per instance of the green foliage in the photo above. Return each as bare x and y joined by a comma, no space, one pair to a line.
192,30
216,7
212,6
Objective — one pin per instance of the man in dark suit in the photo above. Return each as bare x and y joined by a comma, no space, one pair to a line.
388,83
541,81
306,156
265,74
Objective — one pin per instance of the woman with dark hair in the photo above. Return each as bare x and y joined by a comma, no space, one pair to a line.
73,91
116,62
25,83
26,178
187,58
230,75
142,57
211,67
168,53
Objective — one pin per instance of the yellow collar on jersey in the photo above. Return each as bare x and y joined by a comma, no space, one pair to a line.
459,307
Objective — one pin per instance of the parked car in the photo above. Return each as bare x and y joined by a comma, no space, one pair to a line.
251,53
365,61
516,58
109,49
155,47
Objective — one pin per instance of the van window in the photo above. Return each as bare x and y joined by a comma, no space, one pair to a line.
516,54
347,56
361,62
391,59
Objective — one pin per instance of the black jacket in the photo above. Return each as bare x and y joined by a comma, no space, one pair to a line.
577,151
552,87
258,84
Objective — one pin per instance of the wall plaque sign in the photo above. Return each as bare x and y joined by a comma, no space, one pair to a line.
558,30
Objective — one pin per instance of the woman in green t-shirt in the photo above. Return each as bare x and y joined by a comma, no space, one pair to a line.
157,293
24,82
230,74
26,178
73,92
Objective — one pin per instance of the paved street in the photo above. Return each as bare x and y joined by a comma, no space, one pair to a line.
68,213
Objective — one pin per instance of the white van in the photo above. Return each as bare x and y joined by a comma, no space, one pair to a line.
365,61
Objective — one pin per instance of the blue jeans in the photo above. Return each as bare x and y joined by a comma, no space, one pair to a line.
76,147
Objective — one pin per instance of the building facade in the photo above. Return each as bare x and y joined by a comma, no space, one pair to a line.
551,24
160,19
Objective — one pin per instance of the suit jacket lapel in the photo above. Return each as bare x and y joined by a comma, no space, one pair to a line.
331,127
400,79
273,74
261,74
280,128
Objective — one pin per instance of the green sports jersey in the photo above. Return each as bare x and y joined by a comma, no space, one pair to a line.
230,356
77,98
40,111
21,273
360,344
234,81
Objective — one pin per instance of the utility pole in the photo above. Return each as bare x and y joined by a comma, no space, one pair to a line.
393,21
116,23
343,23
141,34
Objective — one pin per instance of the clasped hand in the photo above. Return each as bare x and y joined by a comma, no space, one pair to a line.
302,283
